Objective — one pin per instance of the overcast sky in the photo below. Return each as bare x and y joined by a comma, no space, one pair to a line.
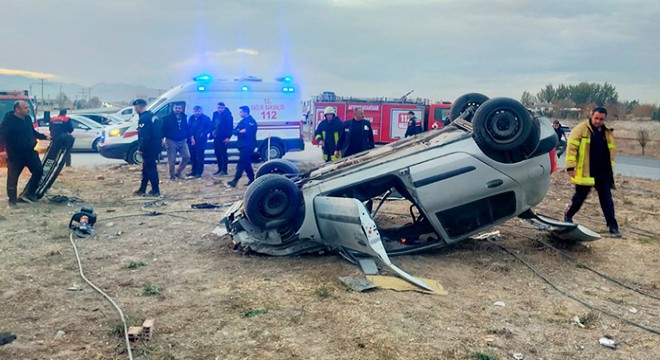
439,48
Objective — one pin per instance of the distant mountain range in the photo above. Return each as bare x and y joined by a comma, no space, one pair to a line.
116,93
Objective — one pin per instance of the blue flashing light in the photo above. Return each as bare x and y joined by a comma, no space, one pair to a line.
201,88
245,88
203,78
286,79
288,89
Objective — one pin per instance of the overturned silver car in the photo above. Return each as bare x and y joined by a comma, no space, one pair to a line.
492,163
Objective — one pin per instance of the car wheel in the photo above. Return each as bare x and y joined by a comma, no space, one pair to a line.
272,201
470,101
502,124
279,166
95,145
276,150
132,156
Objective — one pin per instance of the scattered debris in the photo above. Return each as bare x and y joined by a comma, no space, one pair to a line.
576,321
518,356
398,284
493,235
499,303
490,338
607,342
143,332
357,283
368,266
633,310
220,230
60,334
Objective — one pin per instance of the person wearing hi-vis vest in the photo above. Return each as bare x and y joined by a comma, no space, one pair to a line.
590,163
328,132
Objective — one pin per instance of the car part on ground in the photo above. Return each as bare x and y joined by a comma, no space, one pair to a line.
52,163
460,180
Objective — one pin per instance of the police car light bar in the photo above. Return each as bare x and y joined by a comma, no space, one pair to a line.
203,78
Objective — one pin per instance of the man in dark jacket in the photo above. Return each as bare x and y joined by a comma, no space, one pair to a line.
328,133
358,135
149,146
59,126
223,122
246,132
414,125
175,133
200,127
19,137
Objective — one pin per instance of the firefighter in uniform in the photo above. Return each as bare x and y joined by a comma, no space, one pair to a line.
246,132
19,137
149,146
589,162
328,133
358,135
414,125
60,126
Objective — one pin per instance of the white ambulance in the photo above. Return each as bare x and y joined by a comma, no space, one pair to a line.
276,106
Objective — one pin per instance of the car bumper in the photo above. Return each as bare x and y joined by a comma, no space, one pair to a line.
114,151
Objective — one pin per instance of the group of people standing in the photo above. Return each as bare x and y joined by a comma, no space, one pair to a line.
188,137
340,139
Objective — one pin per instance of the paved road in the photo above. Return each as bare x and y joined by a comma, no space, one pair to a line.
637,166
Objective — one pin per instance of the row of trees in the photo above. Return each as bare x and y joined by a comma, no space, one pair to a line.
63,101
574,101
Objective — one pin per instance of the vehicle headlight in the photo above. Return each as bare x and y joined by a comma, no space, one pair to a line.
115,132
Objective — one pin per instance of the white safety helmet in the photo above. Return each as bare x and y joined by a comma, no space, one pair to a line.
329,110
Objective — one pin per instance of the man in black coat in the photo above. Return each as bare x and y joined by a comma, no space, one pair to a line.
414,125
200,127
149,146
358,135
223,122
246,132
19,137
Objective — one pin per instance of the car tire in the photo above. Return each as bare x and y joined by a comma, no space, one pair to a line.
463,103
502,124
132,156
276,150
95,145
272,201
279,166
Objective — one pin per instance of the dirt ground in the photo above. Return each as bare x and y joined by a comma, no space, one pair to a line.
210,302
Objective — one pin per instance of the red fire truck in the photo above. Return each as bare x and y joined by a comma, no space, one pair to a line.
388,117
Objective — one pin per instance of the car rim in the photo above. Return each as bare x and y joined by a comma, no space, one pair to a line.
275,203
503,126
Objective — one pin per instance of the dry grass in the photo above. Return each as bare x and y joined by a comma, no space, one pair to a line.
215,303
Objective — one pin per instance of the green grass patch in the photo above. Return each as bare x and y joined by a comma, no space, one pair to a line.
147,349
483,355
323,293
253,312
151,290
136,264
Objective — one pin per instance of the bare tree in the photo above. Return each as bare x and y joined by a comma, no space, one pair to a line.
643,138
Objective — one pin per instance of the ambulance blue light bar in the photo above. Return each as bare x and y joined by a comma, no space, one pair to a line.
245,88
286,79
203,78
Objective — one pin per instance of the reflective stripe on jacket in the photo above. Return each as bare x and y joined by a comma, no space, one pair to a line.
577,153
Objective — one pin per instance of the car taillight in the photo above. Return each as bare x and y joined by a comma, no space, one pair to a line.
128,134
553,160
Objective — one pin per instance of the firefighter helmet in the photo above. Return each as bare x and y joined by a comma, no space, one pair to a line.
329,110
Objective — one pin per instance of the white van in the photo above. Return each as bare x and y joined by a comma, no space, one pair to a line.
274,105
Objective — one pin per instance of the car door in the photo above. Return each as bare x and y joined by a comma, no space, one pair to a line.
84,134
